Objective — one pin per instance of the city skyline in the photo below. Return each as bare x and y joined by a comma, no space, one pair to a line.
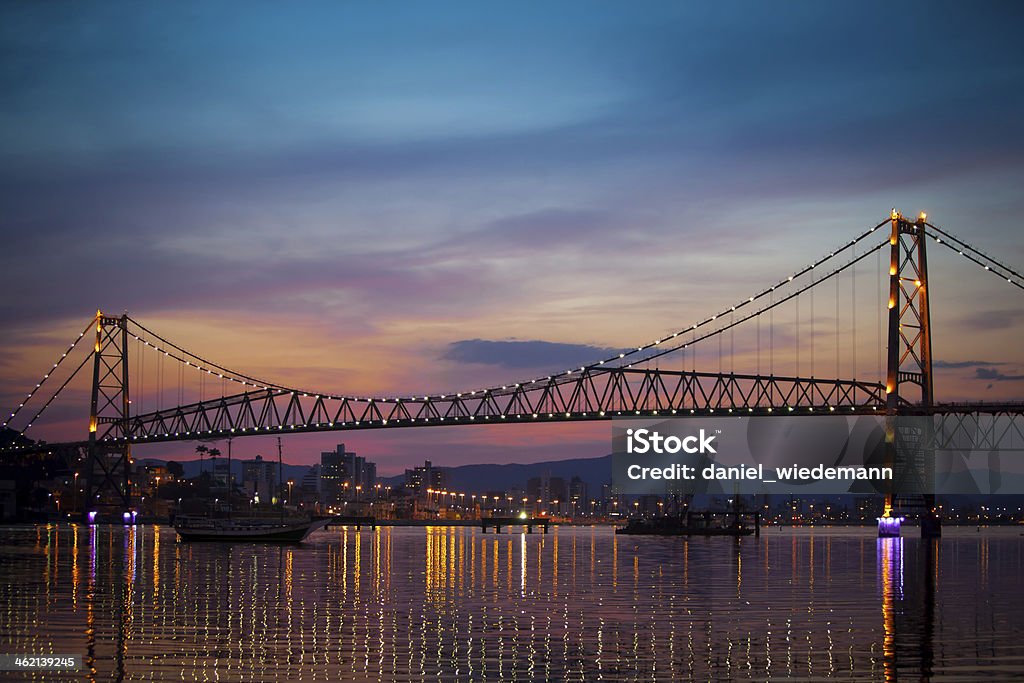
376,202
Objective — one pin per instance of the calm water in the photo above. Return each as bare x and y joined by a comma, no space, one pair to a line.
414,604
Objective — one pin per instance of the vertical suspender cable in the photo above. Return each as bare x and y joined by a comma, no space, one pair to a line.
837,327
693,351
811,291
137,384
853,312
796,300
882,309
771,333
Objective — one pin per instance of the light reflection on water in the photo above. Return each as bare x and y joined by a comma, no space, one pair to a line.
444,603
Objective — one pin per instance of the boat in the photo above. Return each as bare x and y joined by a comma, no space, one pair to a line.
677,526
242,529
277,529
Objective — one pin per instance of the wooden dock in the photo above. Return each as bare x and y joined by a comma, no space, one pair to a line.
352,520
529,523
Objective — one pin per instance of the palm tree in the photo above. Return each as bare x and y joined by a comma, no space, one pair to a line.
201,449
214,452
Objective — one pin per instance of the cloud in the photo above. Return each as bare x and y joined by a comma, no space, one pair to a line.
1000,319
963,363
995,375
525,354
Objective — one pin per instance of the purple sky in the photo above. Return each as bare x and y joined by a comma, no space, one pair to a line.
369,198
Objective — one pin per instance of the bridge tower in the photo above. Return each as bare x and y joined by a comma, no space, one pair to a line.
909,349
108,461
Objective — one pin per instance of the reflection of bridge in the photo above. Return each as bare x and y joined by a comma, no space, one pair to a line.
635,382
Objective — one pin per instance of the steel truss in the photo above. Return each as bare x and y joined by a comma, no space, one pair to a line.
984,430
593,394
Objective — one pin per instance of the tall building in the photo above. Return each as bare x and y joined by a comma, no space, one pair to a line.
547,490
343,473
419,479
578,492
259,478
309,486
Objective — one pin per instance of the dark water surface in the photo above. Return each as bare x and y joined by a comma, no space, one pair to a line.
449,603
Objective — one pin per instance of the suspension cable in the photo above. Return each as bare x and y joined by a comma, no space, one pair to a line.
56,393
47,375
774,304
209,365
226,374
970,253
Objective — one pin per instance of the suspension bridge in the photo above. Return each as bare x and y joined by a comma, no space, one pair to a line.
657,378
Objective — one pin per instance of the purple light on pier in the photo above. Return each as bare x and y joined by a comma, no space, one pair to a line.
92,517
889,526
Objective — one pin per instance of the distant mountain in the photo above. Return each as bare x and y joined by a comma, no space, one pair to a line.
480,478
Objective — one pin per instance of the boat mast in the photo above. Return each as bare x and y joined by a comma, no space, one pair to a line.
229,478
280,497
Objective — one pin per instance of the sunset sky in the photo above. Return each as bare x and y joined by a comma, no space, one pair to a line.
382,197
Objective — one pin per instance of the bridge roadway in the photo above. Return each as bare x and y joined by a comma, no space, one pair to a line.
1012,430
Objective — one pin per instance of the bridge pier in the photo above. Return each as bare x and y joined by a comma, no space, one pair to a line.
889,527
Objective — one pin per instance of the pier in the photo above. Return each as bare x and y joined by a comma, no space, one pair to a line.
529,523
